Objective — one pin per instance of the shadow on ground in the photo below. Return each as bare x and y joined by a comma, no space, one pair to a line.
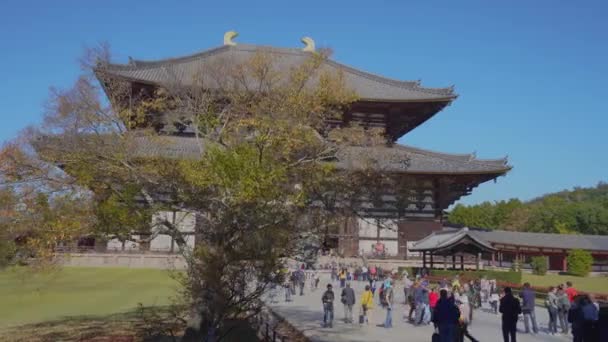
122,327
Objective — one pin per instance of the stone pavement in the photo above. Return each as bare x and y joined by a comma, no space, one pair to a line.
305,313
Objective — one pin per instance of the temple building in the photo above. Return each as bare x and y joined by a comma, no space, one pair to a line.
397,107
501,248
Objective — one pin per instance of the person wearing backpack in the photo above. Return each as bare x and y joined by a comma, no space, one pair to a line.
551,305
563,307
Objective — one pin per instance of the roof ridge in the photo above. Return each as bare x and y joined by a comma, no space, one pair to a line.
412,85
470,157
137,63
591,236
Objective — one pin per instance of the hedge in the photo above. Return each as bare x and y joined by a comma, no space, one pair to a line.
579,262
539,265
509,277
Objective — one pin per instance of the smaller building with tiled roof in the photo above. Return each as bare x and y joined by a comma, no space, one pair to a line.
507,247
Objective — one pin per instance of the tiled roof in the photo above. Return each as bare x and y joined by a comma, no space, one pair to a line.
447,239
185,70
390,159
400,158
522,239
547,240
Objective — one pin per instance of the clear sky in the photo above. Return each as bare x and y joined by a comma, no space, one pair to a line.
532,75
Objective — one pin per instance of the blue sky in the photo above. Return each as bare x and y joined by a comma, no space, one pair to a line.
532,75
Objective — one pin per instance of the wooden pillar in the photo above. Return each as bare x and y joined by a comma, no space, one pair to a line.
453,261
462,262
500,259
493,259
431,260
477,258
424,259
565,262
445,262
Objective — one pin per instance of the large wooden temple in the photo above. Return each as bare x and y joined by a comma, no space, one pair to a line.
397,107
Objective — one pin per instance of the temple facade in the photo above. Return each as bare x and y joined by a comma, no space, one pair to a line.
436,180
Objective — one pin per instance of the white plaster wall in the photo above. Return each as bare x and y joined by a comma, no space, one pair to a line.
367,228
389,229
391,247
161,242
114,245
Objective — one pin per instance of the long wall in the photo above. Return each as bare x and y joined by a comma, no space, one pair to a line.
160,261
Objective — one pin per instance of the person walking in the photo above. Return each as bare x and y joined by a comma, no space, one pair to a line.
412,301
494,299
463,321
287,286
528,296
342,277
407,285
301,280
551,305
422,307
433,299
348,299
510,310
388,302
470,292
445,317
328,307
367,304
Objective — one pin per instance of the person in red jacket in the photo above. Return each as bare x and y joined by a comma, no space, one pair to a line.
570,291
433,298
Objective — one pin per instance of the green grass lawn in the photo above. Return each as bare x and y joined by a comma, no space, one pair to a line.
589,284
27,297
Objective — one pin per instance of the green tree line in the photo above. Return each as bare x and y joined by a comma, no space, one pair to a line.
576,211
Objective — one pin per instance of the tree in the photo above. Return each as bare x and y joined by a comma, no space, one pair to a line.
263,181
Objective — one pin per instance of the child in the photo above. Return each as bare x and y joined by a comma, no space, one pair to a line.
494,300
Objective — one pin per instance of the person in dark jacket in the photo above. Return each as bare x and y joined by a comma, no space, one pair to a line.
528,296
446,317
328,306
510,310
583,315
348,299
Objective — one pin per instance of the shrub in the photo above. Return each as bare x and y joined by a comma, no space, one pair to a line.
409,270
539,265
7,252
579,262
509,277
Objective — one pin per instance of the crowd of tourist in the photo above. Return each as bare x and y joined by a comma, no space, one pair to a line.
449,304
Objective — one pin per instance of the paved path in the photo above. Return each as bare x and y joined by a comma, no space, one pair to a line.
305,313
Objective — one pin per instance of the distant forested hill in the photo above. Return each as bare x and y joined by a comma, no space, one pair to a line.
577,211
